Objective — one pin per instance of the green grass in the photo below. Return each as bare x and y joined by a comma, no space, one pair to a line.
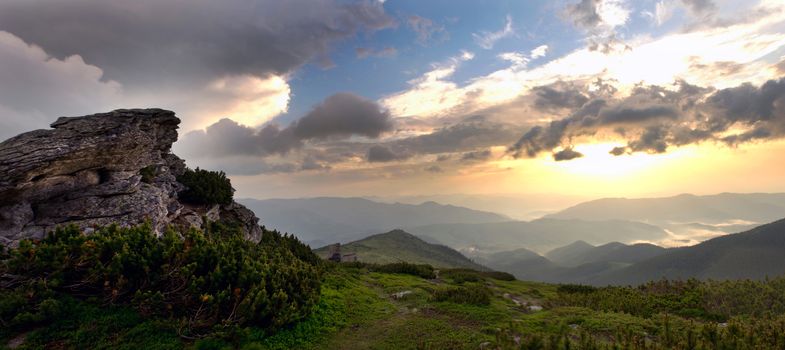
357,310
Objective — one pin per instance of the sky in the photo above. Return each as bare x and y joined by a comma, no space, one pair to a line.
303,98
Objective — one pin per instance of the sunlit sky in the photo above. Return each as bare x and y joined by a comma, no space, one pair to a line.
308,98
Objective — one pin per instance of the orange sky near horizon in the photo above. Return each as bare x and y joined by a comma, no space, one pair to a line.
708,168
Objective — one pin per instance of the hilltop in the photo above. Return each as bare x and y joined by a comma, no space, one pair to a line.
401,246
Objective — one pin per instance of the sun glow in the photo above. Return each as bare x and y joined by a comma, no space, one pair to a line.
598,162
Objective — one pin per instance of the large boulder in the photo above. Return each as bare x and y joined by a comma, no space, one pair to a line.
100,169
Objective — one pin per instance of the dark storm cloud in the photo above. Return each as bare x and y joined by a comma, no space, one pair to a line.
653,118
379,153
145,41
566,154
339,116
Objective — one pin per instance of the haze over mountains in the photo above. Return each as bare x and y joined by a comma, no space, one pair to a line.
669,221
719,209
539,235
325,220
689,219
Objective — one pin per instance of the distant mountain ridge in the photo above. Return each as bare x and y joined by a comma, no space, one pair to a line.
539,235
754,254
401,246
324,220
580,253
721,208
578,262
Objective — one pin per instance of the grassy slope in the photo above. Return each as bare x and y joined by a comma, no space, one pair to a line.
397,246
357,311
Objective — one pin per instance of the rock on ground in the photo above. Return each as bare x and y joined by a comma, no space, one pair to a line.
88,171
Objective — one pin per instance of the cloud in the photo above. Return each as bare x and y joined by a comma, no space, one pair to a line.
473,156
539,51
653,118
780,67
434,169
559,95
364,52
426,29
566,154
430,94
597,16
144,41
486,40
311,163
248,99
584,14
342,115
460,137
700,7
339,116
37,88
204,60
617,151
379,153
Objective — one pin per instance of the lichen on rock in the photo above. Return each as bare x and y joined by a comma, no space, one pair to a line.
89,171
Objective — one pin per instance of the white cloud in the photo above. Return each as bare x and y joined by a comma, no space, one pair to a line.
486,40
539,51
647,60
663,11
251,100
37,88
613,13
430,94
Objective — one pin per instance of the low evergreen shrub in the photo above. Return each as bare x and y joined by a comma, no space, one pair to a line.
199,279
206,187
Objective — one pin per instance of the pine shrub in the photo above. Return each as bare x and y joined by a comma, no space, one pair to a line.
206,187
200,279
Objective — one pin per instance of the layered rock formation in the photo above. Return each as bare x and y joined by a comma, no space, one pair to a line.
100,169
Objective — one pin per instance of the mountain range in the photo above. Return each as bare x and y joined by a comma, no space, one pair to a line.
753,254
539,235
719,209
597,242
326,220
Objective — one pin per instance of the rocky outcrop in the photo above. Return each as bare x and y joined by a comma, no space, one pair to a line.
100,169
